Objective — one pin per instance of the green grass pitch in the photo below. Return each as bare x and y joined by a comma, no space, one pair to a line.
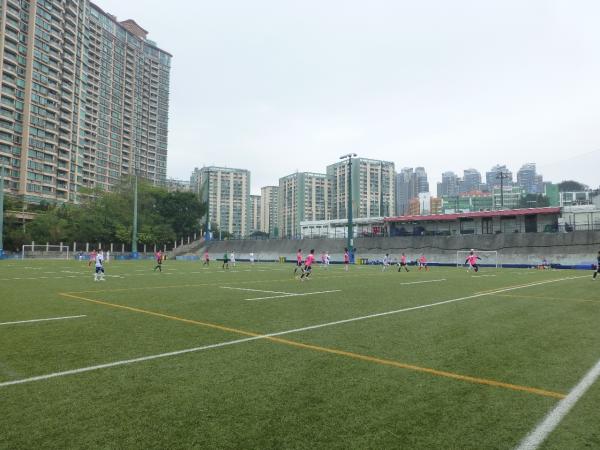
461,361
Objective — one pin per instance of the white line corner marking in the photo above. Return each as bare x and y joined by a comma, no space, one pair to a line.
42,320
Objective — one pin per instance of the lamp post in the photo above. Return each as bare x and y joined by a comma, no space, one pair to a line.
207,235
1,211
350,237
134,237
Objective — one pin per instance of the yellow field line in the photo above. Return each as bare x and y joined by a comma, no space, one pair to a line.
357,356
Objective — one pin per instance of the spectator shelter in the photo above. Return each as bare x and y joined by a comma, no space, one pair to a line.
528,220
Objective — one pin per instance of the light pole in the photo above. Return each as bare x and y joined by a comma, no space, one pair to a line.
134,237
350,238
1,211
207,235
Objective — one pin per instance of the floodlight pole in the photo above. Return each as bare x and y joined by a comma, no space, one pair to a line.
207,233
134,237
1,211
350,237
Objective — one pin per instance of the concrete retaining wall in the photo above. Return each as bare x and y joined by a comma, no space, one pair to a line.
576,248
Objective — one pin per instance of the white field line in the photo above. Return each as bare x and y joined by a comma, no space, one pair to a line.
292,295
427,281
256,290
264,336
534,439
482,276
42,320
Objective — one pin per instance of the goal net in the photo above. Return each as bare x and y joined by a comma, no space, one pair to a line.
45,251
488,258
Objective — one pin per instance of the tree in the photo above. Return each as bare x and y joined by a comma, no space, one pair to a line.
571,186
534,201
104,217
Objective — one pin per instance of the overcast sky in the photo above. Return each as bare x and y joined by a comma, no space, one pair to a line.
276,86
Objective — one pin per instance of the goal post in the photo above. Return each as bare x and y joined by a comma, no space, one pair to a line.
45,251
489,258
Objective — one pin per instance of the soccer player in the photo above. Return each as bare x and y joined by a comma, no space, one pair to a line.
403,263
159,259
99,263
346,259
423,263
308,266
206,258
597,267
298,261
322,258
251,258
92,258
386,262
327,260
225,260
232,258
472,261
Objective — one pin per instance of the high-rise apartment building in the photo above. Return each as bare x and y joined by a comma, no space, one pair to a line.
409,184
269,200
373,190
227,193
84,99
421,182
492,178
529,180
450,184
302,196
471,181
255,213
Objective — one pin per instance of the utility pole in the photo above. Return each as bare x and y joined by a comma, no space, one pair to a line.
502,176
350,237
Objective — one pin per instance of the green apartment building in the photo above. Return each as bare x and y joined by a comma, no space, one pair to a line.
302,196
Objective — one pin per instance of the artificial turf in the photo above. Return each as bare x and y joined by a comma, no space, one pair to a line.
389,381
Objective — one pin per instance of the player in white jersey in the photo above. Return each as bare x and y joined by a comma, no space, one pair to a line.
232,258
327,260
251,258
386,262
99,275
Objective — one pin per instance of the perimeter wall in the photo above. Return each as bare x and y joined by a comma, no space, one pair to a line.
575,248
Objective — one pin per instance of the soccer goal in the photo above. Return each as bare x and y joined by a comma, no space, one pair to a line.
45,251
488,258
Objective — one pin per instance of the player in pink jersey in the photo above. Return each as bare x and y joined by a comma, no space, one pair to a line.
92,258
403,263
346,259
310,259
206,258
472,261
423,263
298,261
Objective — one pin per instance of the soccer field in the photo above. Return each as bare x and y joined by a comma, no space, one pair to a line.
253,358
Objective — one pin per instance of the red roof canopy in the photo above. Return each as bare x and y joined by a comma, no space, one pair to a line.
473,215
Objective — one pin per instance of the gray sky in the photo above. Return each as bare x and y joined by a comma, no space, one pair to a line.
276,86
